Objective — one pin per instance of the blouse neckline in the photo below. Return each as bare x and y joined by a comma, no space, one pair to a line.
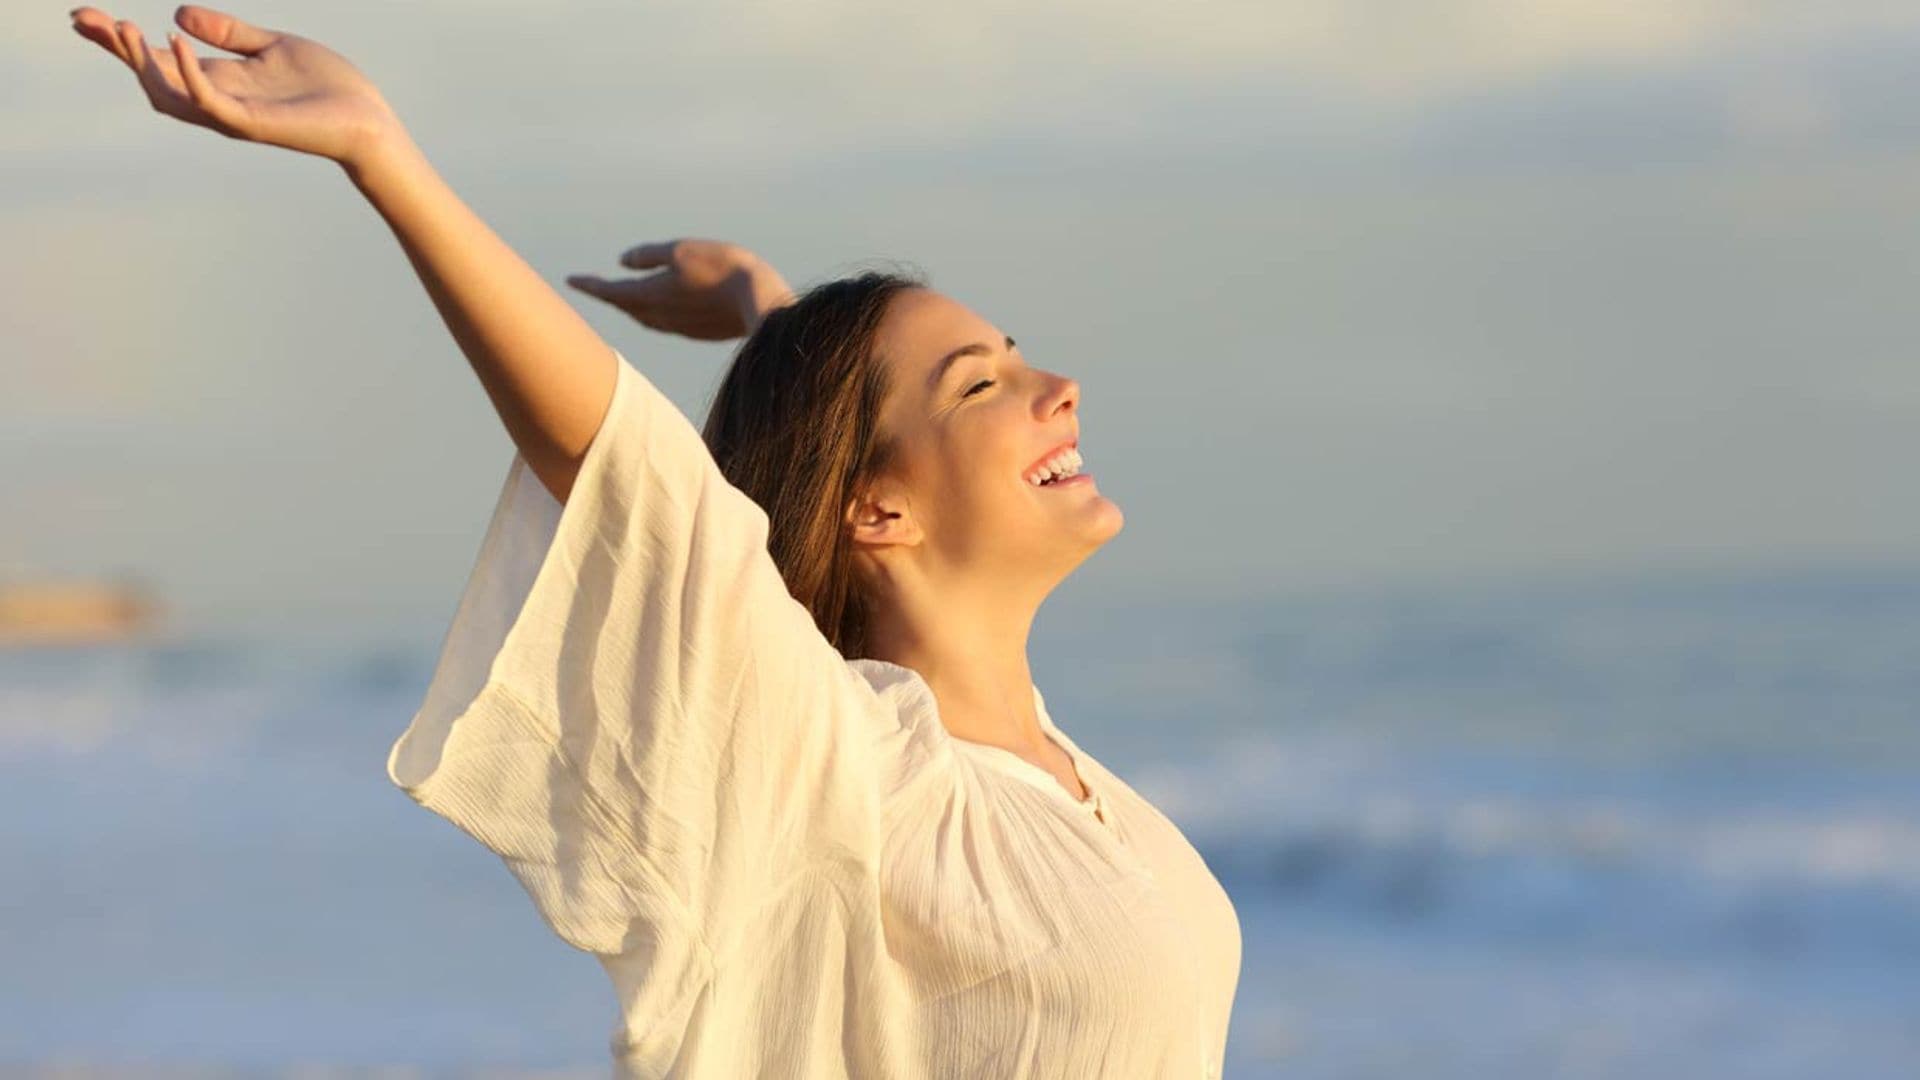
1009,762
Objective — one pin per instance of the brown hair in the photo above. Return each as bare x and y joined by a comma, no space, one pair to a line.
795,425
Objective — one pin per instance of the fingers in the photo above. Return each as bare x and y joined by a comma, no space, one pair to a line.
628,293
161,91
639,297
94,25
223,30
227,112
587,283
164,78
648,256
174,81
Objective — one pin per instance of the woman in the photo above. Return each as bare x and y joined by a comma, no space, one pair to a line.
748,713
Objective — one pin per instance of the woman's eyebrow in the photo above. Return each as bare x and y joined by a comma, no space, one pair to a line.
978,348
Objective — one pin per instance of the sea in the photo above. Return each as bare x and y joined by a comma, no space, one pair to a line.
1654,825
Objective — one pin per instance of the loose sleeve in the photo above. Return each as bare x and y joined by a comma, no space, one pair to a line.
632,711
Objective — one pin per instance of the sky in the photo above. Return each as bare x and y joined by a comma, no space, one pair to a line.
1357,292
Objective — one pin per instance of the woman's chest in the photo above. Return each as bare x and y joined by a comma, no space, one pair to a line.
1005,891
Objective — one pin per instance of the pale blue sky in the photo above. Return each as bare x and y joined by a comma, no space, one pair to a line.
1357,292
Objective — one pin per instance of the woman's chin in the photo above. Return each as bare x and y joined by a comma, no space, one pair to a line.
1108,519
1085,514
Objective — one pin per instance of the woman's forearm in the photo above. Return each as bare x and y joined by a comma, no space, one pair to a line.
549,374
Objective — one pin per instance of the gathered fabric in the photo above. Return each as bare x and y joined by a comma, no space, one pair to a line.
783,861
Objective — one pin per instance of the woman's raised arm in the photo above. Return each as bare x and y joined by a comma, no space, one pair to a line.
549,375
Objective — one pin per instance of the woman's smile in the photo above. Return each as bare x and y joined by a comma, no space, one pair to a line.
1076,480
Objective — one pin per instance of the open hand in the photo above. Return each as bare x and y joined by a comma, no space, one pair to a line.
705,289
283,90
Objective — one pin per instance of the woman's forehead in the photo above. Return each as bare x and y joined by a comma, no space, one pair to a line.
925,332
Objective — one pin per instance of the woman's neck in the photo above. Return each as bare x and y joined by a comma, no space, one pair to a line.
974,658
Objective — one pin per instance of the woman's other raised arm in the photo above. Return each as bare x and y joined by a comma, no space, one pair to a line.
549,375
708,290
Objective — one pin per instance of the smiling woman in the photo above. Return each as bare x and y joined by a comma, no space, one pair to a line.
748,712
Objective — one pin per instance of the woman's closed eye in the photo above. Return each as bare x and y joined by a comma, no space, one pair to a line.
977,386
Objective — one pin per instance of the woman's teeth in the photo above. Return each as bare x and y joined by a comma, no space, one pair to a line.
1064,464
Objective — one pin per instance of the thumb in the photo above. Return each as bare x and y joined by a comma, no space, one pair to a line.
223,30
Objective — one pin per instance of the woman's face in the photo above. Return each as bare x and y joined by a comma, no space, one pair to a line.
972,424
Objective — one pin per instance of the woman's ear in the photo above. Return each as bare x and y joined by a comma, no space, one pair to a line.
881,517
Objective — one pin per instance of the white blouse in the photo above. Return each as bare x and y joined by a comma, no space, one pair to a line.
783,860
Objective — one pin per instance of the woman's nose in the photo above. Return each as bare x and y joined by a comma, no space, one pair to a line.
1066,395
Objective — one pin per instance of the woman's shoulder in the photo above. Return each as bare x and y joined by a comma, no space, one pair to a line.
901,690
916,741
889,678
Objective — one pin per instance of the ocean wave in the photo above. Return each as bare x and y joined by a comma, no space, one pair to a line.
1509,847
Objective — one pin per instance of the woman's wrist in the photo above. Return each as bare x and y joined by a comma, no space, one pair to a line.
380,157
764,291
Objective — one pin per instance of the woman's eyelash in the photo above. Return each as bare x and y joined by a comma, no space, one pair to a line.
977,386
